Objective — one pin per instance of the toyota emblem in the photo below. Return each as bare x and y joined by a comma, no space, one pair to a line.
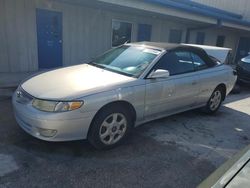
19,94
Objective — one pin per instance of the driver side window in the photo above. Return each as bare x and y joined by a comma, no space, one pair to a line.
179,62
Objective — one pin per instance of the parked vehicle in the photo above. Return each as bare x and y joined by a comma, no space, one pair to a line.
243,70
127,86
234,173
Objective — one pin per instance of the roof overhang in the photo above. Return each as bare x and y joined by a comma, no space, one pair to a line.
235,26
227,19
163,10
185,10
181,10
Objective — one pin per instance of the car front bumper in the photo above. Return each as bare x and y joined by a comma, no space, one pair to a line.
65,126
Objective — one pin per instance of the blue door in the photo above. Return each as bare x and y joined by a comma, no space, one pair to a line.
243,48
144,32
49,38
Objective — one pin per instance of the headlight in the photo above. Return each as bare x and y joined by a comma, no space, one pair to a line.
56,106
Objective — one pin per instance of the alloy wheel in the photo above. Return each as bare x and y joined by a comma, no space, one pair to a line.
113,128
215,100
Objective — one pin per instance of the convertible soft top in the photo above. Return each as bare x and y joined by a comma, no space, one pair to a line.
220,53
170,47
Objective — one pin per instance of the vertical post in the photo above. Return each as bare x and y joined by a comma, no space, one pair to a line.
187,35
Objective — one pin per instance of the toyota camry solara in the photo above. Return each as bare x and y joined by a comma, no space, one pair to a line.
129,85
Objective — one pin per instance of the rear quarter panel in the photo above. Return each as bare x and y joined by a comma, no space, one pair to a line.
210,78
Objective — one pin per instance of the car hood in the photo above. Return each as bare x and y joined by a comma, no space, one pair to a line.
74,81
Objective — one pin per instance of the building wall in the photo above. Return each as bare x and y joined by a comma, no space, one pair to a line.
231,37
236,6
18,49
86,32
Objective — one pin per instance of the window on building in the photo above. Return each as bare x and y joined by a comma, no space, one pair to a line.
121,32
175,36
220,41
144,32
200,38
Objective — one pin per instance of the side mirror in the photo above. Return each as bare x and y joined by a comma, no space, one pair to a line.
159,73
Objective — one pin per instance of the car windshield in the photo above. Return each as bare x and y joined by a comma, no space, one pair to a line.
127,60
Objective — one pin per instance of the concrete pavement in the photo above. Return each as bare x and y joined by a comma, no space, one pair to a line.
177,151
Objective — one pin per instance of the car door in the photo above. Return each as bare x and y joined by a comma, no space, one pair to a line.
186,82
177,92
158,98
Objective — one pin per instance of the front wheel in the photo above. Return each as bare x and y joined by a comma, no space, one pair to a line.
214,101
110,127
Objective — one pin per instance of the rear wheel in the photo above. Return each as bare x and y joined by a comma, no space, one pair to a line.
214,101
110,127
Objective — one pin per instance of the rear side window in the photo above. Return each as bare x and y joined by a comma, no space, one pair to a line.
176,63
199,63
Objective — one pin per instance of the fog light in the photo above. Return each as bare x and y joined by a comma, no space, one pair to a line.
46,132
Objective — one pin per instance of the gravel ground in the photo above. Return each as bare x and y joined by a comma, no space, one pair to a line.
177,151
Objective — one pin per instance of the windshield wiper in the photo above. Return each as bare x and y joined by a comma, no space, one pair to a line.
96,64
105,67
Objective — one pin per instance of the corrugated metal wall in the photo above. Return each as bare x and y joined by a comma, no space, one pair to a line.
236,6
86,32
231,37
18,50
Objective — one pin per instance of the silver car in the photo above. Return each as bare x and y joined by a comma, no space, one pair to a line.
127,86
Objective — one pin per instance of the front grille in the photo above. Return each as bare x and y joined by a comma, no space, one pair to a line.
22,96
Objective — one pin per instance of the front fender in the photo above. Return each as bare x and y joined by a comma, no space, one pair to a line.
133,95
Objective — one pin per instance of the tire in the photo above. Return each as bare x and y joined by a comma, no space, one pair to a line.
214,101
112,122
